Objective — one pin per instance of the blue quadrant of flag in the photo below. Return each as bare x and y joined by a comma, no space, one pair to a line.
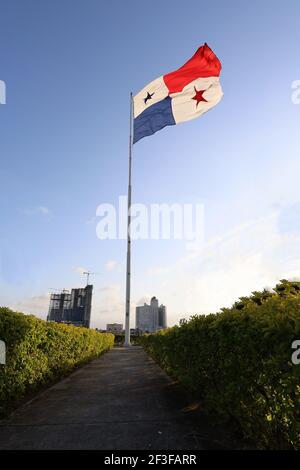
153,119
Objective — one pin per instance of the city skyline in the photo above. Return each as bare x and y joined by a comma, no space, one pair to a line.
64,151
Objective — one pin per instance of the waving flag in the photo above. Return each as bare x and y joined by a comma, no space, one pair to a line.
178,96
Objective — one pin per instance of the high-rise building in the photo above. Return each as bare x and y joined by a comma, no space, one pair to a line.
150,318
162,317
72,307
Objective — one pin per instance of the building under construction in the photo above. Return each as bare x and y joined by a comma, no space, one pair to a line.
71,307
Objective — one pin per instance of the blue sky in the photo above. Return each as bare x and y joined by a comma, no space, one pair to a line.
69,66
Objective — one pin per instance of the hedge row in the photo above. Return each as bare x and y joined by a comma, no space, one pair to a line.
40,352
239,362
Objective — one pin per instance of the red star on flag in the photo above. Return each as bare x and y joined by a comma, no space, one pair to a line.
199,96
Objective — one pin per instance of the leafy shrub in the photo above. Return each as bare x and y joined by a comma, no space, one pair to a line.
39,352
239,361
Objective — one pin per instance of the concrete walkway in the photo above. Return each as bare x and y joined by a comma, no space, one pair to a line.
122,400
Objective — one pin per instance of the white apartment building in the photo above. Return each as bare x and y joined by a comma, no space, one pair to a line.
151,318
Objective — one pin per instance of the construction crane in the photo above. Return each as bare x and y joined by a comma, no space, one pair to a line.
87,274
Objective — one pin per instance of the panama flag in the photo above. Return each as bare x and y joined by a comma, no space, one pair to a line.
178,96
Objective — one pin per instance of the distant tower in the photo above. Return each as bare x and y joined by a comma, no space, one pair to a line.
162,317
150,318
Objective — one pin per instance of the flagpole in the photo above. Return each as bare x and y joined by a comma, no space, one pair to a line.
128,261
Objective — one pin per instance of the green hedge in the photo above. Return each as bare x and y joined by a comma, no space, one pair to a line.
39,352
239,361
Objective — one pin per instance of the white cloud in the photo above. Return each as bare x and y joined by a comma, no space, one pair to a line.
112,288
42,210
250,257
111,265
108,305
80,270
36,305
158,270
143,300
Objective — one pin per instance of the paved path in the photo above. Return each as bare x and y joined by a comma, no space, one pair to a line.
122,400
